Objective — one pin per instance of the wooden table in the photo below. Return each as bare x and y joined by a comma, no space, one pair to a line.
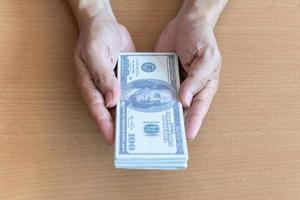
248,148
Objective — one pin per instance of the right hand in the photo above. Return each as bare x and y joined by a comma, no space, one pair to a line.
101,40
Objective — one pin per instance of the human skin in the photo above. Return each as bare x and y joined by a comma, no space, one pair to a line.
190,34
100,41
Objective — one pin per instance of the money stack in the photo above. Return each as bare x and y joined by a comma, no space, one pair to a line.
150,131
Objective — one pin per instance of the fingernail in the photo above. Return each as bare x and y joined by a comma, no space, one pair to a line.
190,139
191,135
108,98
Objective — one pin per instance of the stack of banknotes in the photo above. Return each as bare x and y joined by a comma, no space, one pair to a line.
150,132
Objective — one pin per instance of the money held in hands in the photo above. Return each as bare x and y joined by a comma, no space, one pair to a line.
150,131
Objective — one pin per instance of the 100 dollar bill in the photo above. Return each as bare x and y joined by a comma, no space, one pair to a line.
149,117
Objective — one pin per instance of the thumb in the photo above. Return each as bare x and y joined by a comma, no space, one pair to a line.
197,77
101,68
108,85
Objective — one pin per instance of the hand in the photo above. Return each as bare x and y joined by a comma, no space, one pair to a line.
193,39
101,40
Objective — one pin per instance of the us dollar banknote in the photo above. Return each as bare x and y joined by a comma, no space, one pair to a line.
150,132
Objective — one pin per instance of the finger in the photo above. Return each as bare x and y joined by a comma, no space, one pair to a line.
108,85
198,73
199,108
95,102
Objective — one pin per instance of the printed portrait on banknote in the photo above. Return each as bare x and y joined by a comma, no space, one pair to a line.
149,95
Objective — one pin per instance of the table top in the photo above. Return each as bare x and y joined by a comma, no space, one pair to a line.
248,147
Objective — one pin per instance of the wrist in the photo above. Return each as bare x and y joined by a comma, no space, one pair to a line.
86,10
207,11
94,13
194,9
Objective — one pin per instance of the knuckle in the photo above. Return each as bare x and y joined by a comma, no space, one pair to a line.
196,79
209,52
84,85
203,96
90,48
100,80
195,85
122,27
213,52
201,83
95,103
194,73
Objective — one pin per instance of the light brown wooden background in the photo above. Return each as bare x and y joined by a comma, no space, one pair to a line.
248,148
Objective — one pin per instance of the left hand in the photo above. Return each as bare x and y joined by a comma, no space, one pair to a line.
193,39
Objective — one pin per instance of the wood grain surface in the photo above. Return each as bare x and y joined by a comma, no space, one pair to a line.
248,147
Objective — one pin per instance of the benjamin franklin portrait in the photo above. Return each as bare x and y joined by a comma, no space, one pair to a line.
149,95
